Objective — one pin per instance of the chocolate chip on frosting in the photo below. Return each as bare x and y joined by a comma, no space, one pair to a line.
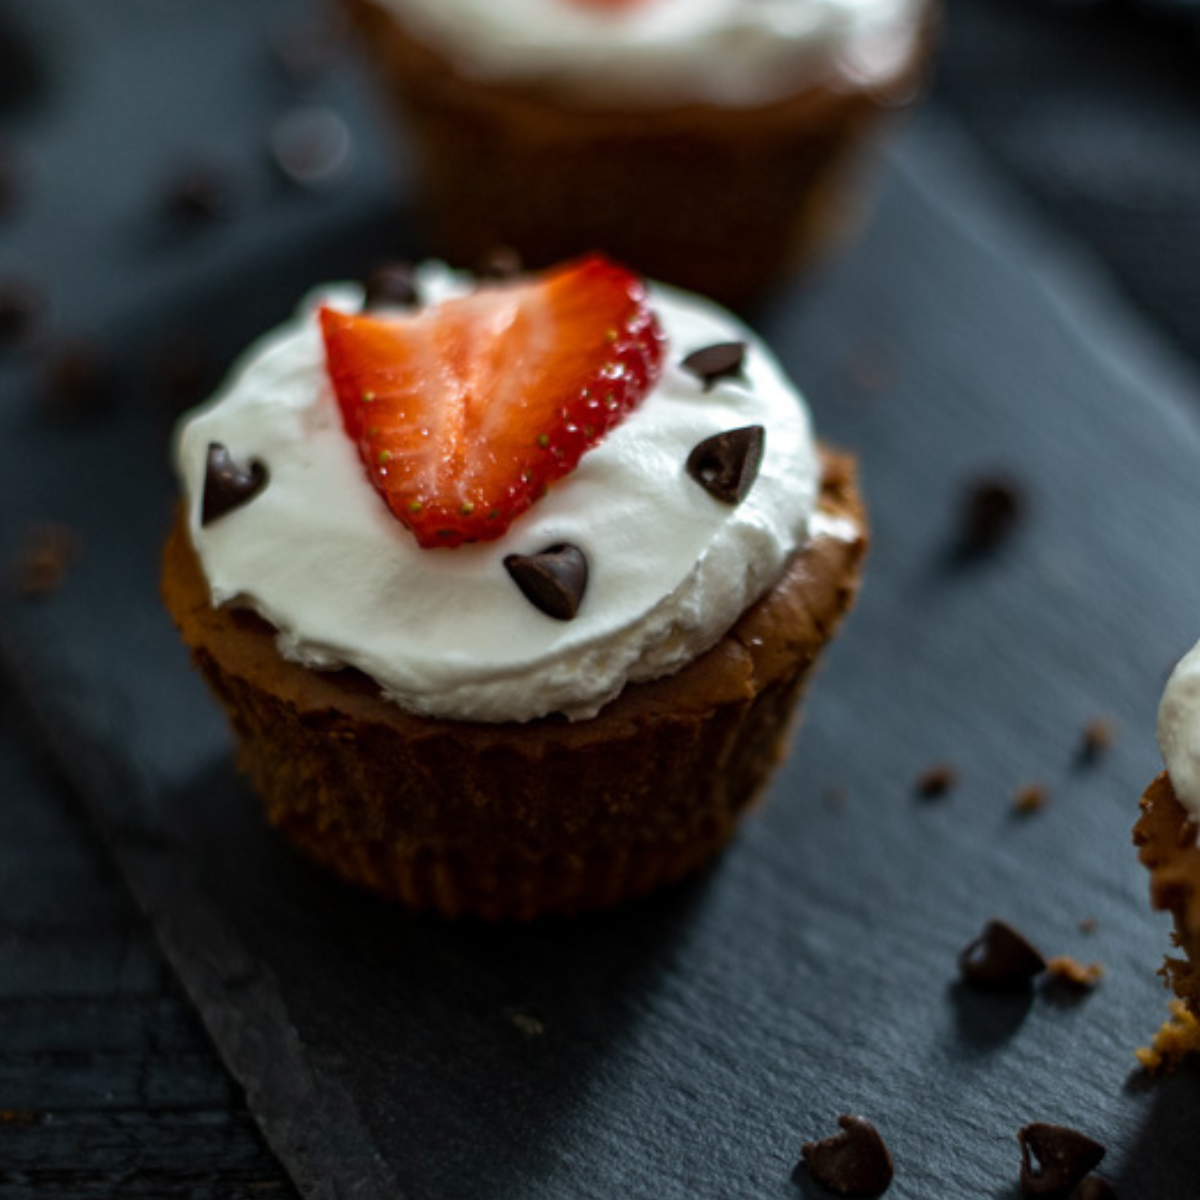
1064,1159
854,1162
553,581
1000,959
391,285
228,484
711,364
726,464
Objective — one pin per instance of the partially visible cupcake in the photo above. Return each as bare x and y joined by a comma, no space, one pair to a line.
510,594
714,144
1166,836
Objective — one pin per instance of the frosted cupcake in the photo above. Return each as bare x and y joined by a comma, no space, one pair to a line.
510,594
714,144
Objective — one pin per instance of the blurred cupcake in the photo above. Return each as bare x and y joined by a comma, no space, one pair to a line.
714,144
510,594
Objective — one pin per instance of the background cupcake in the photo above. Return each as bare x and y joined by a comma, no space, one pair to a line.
709,143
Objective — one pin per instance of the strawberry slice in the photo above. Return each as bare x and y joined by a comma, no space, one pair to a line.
466,411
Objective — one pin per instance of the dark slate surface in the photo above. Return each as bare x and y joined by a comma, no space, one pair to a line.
688,1046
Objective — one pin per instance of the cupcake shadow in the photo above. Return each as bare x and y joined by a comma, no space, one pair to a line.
472,1052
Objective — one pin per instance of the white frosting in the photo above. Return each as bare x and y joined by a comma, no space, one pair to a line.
1179,730
669,52
446,632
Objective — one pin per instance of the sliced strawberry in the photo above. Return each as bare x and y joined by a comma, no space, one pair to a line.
466,411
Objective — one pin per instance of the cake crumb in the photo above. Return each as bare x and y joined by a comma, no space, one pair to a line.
1062,968
936,780
1030,798
1177,1038
1088,925
44,558
1099,734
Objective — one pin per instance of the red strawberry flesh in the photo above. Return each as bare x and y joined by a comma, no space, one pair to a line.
466,411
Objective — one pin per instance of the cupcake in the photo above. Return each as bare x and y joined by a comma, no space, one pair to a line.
1166,837
510,592
713,144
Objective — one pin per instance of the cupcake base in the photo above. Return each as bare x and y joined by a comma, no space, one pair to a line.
1165,836
515,820
721,201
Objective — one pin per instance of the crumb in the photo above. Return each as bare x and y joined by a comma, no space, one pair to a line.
80,380
991,508
936,780
1088,925
198,194
181,370
836,796
11,1116
1098,736
20,307
1065,969
1177,1038
45,555
1030,798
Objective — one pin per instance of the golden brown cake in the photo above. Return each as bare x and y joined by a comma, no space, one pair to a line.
724,178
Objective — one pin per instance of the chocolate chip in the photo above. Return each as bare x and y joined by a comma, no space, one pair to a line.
80,379
197,195
501,262
991,508
392,285
228,484
47,552
20,306
312,147
936,780
1093,1188
1000,959
1064,1157
711,364
553,581
854,1162
726,464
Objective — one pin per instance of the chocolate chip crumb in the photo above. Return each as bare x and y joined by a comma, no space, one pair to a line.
1093,1188
854,1162
501,262
391,285
1000,959
726,464
553,581
936,780
228,484
80,379
991,509
47,552
1030,798
312,147
1063,1157
1099,734
711,364
1062,968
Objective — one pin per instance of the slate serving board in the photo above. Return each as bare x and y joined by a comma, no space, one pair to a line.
688,1045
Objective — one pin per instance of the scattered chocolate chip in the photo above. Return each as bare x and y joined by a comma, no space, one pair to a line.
46,554
501,262
711,364
228,484
991,509
726,464
1063,1159
1093,1188
1000,959
1098,737
1030,798
854,1162
392,285
312,147
20,307
1064,969
553,581
198,194
80,379
936,780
